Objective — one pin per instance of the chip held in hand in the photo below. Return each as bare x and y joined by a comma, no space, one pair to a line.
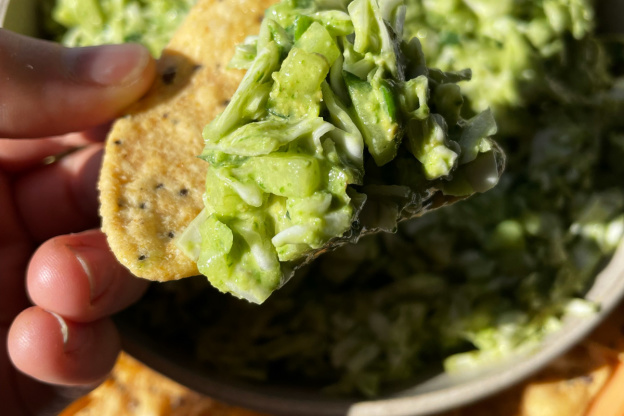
336,129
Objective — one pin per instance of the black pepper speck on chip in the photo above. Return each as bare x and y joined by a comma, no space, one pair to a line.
169,75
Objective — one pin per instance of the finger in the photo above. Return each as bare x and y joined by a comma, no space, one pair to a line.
22,395
9,396
44,399
79,278
15,250
62,90
62,197
20,155
55,350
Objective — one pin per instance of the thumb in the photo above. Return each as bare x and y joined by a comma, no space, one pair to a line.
46,89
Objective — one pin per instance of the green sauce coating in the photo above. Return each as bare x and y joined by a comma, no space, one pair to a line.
329,89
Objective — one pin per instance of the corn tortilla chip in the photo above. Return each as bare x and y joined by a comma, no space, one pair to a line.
151,183
565,388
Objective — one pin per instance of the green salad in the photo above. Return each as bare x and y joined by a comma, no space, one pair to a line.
96,22
338,129
469,284
336,113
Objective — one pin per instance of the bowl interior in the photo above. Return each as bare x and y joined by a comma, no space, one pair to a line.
435,392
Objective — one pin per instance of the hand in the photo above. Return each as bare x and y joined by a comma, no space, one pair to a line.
73,280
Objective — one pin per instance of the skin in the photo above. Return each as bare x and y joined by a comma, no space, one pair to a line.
58,283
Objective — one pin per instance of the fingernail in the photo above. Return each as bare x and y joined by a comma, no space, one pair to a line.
77,337
88,256
108,65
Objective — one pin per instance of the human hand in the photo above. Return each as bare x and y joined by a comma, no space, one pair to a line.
73,280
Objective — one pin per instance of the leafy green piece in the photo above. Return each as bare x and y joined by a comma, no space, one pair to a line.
372,35
376,116
296,91
265,136
238,258
316,39
249,100
324,101
283,174
97,22
474,137
245,54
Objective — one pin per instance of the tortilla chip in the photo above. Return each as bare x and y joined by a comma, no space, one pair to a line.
569,384
152,182
135,390
566,387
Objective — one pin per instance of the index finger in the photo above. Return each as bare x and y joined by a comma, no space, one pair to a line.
50,90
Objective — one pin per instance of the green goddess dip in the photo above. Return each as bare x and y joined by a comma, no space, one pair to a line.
338,116
96,22
332,94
